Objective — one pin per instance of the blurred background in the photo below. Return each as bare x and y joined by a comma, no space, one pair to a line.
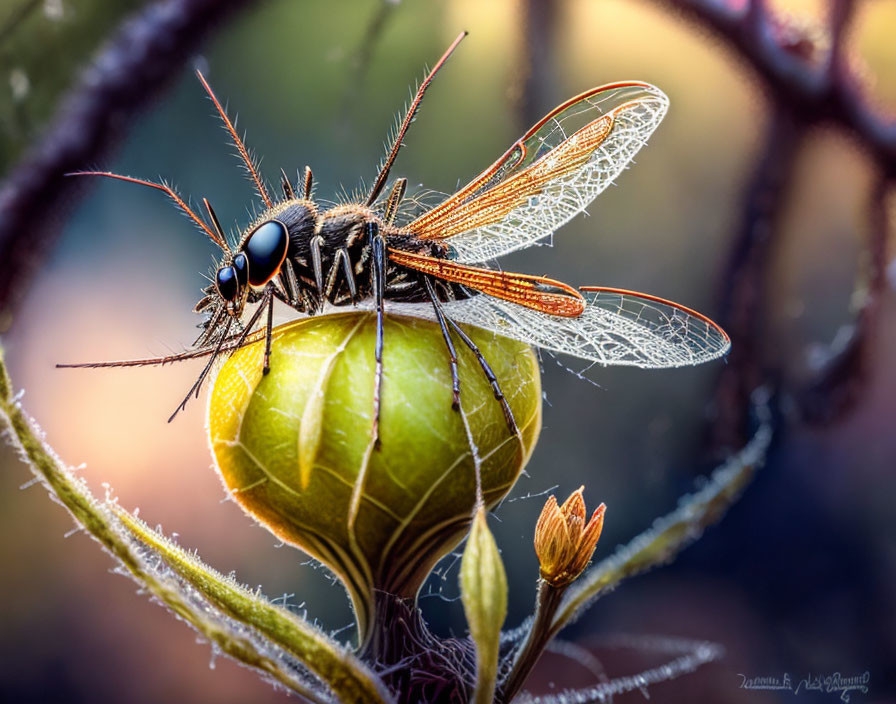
740,207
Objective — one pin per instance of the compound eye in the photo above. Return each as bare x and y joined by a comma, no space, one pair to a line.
226,283
241,266
266,249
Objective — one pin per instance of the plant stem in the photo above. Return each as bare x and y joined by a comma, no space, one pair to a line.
415,664
547,601
101,523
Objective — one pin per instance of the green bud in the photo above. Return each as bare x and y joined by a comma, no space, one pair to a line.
294,446
483,590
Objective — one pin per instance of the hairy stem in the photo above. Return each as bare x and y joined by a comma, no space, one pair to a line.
101,523
547,601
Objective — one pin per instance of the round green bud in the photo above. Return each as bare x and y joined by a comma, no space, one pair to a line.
294,448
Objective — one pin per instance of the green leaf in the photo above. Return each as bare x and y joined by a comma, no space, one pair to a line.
483,588
341,671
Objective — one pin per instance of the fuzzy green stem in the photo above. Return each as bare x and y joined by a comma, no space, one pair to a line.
343,673
103,526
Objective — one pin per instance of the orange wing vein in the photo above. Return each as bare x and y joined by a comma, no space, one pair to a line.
551,174
500,200
534,292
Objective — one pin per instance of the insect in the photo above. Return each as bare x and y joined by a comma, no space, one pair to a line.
309,258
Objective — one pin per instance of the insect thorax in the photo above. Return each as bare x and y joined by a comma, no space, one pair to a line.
341,237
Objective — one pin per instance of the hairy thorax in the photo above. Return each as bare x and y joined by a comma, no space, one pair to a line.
340,237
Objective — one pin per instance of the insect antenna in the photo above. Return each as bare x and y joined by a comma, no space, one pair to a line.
148,362
218,240
238,142
230,344
406,122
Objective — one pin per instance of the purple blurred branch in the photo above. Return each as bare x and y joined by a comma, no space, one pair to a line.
841,376
808,81
532,83
744,284
132,68
782,58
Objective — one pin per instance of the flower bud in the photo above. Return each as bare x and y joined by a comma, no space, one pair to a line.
293,446
564,543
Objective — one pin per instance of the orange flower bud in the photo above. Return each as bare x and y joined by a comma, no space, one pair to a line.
564,543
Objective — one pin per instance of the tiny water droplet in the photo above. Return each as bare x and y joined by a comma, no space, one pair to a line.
54,10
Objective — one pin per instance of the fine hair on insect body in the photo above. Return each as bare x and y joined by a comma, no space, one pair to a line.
310,258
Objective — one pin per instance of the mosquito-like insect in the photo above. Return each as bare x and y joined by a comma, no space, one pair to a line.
307,258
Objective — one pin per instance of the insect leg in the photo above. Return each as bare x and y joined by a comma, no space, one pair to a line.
248,328
208,367
330,284
317,262
452,353
290,284
489,374
308,301
378,274
268,330
213,324
348,273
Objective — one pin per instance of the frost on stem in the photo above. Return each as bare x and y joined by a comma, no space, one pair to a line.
685,657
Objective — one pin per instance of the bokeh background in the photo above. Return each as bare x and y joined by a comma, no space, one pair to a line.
800,577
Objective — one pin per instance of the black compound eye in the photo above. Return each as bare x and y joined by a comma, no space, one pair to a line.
226,283
241,265
266,249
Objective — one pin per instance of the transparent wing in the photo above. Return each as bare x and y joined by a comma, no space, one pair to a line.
617,327
549,175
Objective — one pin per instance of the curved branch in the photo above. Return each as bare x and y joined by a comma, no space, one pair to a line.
132,68
846,367
831,91
743,284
